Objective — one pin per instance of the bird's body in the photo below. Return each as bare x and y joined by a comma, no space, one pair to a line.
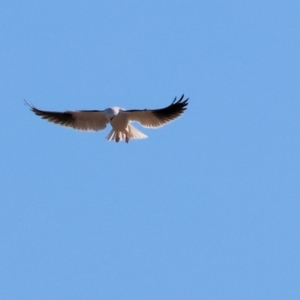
120,119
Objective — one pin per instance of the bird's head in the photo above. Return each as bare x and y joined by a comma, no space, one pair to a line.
112,112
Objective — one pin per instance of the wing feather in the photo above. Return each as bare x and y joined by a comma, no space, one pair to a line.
155,118
87,120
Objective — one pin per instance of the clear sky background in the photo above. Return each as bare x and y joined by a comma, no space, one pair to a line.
207,207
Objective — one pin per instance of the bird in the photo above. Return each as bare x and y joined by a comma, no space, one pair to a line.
120,119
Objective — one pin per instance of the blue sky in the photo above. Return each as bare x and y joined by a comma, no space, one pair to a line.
206,207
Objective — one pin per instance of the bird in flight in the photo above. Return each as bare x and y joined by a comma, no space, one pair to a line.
120,119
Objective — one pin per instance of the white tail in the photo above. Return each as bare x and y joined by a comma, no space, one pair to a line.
133,133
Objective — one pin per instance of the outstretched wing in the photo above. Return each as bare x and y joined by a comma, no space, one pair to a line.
158,117
86,120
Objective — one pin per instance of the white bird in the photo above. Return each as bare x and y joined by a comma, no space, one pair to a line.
120,119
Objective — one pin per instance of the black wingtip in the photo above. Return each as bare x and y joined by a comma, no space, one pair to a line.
32,107
173,111
180,100
28,104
